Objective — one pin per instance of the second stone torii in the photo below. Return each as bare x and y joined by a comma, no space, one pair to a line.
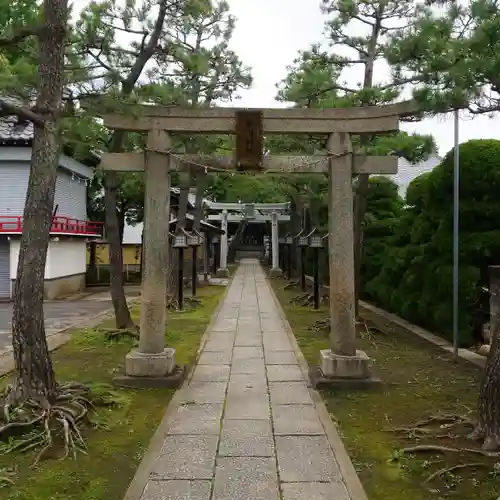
262,212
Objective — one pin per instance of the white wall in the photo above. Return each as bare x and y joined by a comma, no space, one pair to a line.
64,257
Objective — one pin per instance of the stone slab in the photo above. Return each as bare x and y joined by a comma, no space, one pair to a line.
172,381
215,357
186,457
219,345
296,419
211,373
280,358
250,366
253,406
319,381
247,340
224,325
306,459
246,438
247,352
197,419
289,393
206,392
245,478
315,491
240,383
284,373
177,490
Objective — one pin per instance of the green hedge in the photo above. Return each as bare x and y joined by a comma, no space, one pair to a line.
409,261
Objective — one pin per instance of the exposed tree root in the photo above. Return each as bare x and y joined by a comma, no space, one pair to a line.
189,301
119,333
192,301
446,422
36,424
446,470
303,299
430,448
320,325
290,284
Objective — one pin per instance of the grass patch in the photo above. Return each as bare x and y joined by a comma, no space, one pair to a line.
420,380
117,446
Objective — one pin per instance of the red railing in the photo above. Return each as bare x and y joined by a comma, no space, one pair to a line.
14,224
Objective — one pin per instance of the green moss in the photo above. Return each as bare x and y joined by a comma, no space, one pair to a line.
115,450
419,380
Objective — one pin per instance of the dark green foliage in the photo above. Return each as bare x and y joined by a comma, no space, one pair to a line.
384,208
415,278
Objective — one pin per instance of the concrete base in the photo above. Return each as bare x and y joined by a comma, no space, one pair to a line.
139,364
339,366
222,272
319,381
344,372
275,272
172,381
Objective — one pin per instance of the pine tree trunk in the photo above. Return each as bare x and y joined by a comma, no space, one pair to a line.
488,426
34,374
118,298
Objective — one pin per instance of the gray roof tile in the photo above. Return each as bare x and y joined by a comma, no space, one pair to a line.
12,130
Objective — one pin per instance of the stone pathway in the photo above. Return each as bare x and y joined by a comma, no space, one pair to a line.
247,428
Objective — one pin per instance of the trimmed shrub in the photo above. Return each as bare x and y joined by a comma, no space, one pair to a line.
415,277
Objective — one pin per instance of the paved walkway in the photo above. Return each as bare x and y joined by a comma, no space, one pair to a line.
247,428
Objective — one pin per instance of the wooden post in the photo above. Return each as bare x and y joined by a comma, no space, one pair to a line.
303,269
194,271
156,215
180,277
222,271
214,258
316,278
341,246
206,259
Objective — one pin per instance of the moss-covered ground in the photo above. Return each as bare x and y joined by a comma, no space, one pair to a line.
117,446
419,381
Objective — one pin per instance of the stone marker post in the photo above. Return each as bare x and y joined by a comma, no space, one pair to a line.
152,359
223,271
275,269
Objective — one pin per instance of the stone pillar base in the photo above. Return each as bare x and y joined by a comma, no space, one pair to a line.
275,272
344,372
222,272
151,370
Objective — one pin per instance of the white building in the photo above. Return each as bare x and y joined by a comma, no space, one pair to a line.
66,258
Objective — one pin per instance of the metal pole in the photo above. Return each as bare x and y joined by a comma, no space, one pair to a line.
194,270
316,278
303,269
180,277
456,207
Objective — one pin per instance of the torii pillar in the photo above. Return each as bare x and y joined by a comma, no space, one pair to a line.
275,270
342,364
223,271
152,364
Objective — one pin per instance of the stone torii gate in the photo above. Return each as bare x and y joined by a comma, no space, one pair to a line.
273,212
342,361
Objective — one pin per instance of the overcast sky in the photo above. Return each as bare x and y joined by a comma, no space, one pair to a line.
269,34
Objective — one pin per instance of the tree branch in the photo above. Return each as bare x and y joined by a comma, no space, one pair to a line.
8,109
19,36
